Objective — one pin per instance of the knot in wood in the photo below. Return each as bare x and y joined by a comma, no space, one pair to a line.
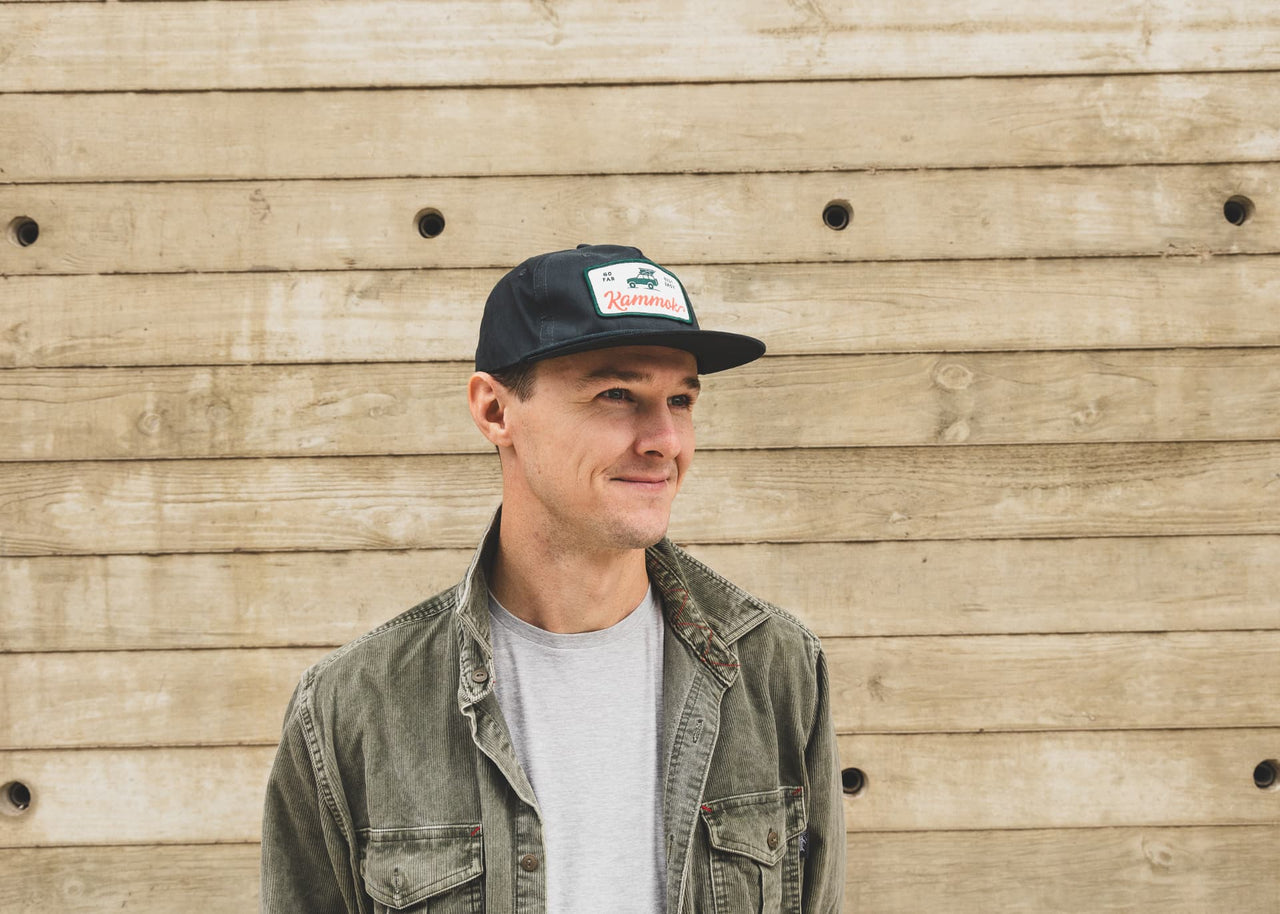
149,423
219,412
952,376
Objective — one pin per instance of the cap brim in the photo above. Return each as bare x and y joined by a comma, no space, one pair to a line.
715,350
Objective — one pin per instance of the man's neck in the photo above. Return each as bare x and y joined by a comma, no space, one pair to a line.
561,590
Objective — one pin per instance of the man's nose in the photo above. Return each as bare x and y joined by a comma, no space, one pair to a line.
658,433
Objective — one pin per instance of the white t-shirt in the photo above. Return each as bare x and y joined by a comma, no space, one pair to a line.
585,714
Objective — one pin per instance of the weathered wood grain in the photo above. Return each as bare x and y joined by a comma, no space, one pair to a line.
280,599
410,315
258,505
365,223
1053,682
935,782
147,698
941,587
740,126
989,398
891,685
260,44
1135,870
138,796
416,408
144,879
1148,583
963,493
921,782
393,408
1146,870
338,503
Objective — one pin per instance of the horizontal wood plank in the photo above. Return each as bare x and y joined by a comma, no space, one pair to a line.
492,222
991,398
346,410
138,796
895,685
921,782
143,879
1011,586
117,602
149,698
277,505
1053,682
1137,870
941,587
929,782
1083,120
410,315
963,493
338,503
280,599
260,44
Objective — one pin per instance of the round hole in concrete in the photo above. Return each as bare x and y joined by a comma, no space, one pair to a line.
15,798
837,215
430,223
1238,210
23,231
853,781
1266,776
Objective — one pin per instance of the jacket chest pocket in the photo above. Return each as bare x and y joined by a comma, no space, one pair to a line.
436,869
754,848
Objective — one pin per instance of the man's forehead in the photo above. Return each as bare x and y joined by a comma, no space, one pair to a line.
632,363
640,376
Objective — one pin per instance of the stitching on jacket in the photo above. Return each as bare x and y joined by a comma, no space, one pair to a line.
684,601
820,685
747,596
317,766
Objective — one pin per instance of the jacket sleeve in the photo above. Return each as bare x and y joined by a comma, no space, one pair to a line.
825,859
305,864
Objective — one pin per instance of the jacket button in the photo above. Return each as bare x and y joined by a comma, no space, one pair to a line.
529,863
773,839
480,675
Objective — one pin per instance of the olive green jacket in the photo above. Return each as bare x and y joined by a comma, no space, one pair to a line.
396,786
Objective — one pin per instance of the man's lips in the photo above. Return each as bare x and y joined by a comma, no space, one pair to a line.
641,480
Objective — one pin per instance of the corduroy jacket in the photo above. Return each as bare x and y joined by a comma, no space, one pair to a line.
396,787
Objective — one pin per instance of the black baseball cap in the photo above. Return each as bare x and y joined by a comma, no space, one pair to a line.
594,297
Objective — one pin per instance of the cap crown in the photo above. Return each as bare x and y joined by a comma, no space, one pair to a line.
593,297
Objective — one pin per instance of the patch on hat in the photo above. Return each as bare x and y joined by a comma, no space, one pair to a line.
637,287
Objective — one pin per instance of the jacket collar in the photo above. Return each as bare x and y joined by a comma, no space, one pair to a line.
703,610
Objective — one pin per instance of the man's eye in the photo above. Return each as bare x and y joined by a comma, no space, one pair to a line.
614,393
681,401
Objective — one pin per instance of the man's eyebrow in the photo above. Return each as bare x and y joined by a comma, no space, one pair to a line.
607,373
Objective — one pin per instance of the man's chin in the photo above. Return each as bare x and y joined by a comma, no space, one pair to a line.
638,536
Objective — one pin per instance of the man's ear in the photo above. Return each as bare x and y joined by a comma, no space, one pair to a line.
488,401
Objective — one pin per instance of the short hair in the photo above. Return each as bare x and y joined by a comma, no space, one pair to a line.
517,378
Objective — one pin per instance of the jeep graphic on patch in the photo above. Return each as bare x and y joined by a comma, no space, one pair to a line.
637,287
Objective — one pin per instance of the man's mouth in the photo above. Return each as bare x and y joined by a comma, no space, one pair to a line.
648,482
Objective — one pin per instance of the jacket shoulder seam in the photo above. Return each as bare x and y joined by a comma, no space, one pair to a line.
427,609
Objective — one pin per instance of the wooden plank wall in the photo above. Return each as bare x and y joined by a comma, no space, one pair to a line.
1014,453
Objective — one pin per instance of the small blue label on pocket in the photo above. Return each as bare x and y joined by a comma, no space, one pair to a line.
804,842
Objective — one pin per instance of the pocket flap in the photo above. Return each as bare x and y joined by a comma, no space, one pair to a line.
749,823
402,866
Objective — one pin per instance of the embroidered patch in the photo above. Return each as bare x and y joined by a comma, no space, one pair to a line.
637,287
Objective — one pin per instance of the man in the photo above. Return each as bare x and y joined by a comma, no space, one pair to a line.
591,720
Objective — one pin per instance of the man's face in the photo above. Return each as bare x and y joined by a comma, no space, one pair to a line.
599,450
